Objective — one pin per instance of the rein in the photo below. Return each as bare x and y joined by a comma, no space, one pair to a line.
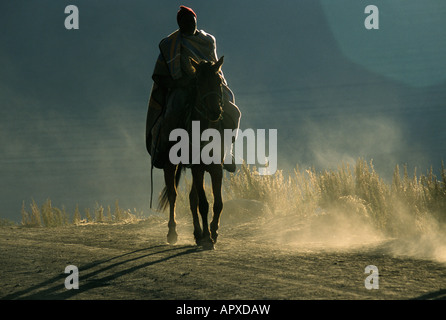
201,105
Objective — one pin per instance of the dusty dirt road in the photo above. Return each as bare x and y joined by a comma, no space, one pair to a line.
133,261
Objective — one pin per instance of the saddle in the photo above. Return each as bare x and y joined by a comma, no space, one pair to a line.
231,120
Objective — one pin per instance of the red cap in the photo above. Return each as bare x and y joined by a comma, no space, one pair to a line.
185,10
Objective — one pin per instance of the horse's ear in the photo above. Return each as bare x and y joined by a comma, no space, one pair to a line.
193,63
218,64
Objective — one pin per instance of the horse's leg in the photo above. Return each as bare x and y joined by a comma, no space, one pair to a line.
203,205
169,179
216,177
193,202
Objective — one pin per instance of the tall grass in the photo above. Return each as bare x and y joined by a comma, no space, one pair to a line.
358,190
407,202
49,216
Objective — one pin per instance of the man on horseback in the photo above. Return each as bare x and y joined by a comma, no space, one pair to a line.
173,77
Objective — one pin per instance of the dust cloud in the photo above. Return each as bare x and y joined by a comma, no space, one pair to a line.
422,237
344,226
322,229
343,141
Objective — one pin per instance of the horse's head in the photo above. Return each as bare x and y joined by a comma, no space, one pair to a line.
209,89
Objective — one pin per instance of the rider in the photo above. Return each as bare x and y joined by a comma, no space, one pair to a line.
173,84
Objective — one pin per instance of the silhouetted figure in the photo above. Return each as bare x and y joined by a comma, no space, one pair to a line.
173,87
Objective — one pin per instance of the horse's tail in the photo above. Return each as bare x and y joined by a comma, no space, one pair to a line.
164,196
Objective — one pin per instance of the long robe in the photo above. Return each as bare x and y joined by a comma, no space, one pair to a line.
173,61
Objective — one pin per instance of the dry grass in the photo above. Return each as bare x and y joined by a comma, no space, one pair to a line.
359,190
405,203
49,216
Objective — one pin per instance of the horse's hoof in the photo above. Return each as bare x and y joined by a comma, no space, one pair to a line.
214,237
198,238
206,244
172,237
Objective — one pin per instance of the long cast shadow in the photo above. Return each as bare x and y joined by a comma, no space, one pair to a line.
54,292
436,295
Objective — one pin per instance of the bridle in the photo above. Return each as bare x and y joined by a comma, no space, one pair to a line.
201,107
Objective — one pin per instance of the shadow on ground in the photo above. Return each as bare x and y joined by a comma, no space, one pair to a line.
97,274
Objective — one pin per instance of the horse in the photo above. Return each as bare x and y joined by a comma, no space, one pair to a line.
207,108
